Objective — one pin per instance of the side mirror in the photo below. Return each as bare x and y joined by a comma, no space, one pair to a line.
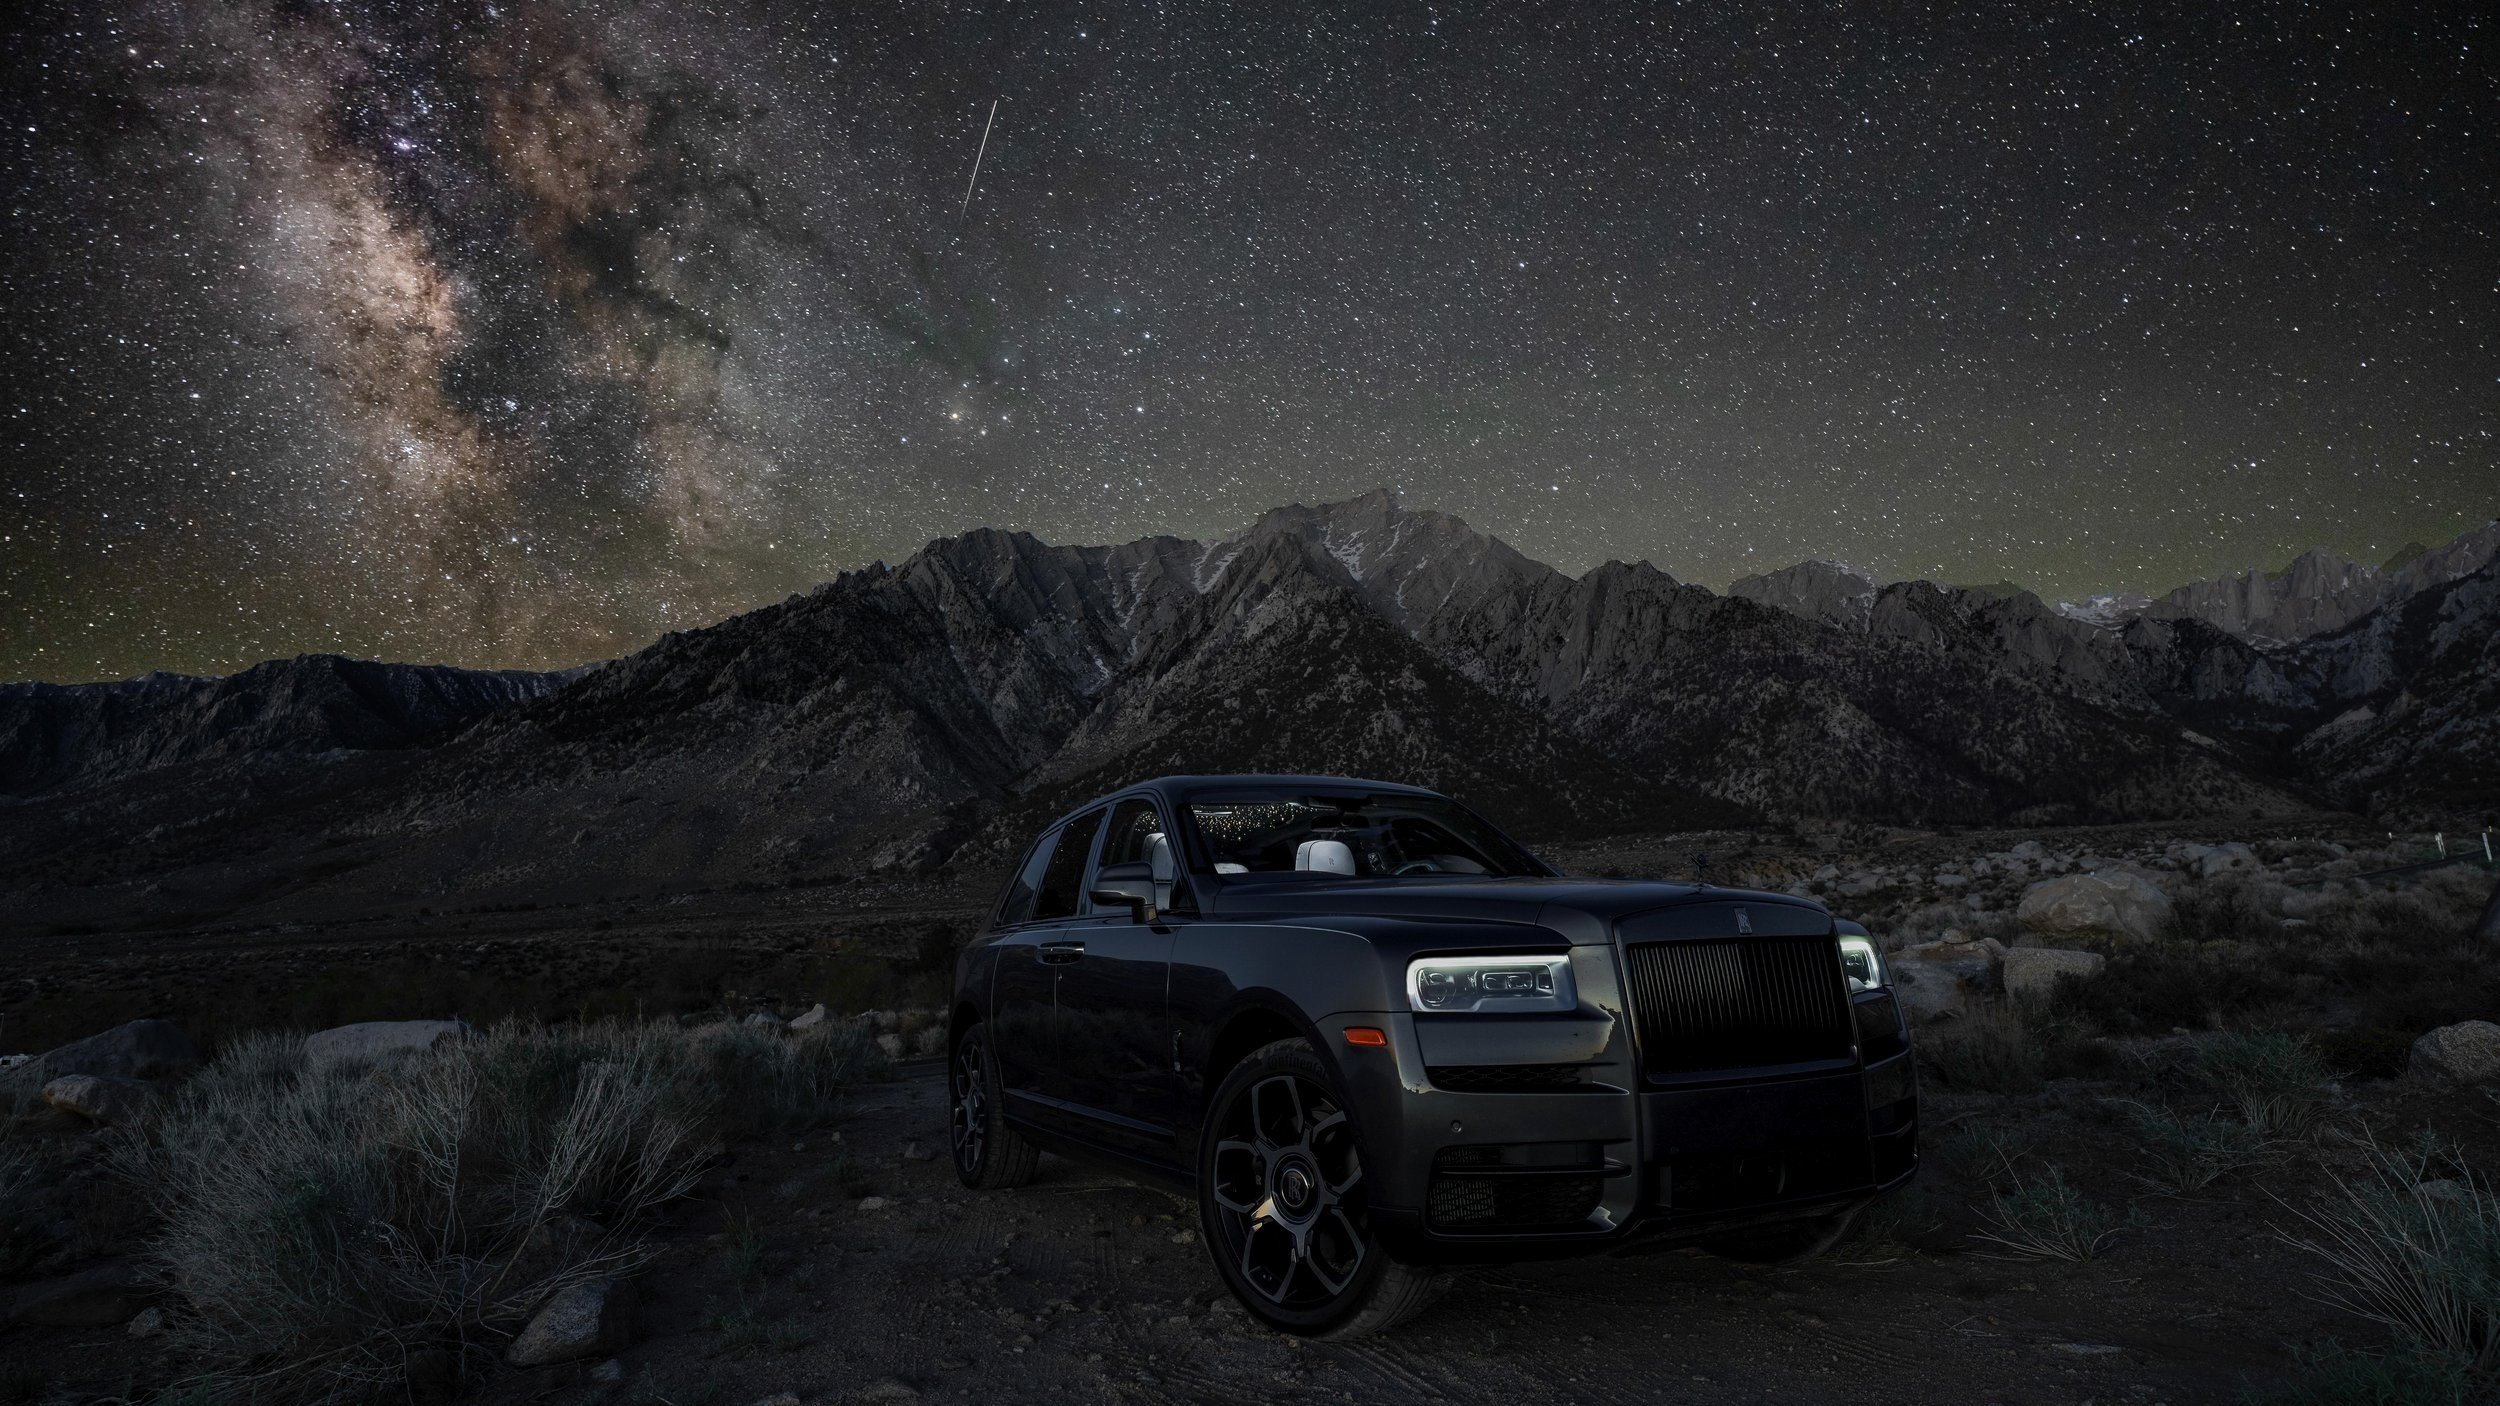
1132,884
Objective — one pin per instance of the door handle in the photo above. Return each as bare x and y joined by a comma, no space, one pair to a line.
1062,951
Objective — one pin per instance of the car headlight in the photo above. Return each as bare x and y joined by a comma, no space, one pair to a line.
1862,960
1497,985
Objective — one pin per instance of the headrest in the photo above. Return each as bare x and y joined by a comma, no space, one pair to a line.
1159,857
1324,857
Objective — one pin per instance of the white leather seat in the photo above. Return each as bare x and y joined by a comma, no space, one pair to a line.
1323,857
1159,864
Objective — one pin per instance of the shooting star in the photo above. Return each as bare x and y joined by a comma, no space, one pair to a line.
976,157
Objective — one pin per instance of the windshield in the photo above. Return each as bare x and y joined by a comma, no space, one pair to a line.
1353,835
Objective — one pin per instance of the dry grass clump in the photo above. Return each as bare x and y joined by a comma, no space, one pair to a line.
330,1232
2413,1243
2187,1153
2039,1216
2276,1083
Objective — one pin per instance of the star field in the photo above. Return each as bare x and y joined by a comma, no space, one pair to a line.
518,333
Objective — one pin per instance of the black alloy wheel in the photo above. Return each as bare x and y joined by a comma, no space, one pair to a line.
1280,1190
989,1155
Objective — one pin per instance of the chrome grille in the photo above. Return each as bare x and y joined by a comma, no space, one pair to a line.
1710,1004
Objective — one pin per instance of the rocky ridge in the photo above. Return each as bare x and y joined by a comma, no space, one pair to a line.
899,714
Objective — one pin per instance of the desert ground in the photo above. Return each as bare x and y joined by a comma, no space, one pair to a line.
2116,1182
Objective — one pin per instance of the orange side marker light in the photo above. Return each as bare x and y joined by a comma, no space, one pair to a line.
1368,1036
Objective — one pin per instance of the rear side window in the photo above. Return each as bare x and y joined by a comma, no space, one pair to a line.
1017,906
1063,877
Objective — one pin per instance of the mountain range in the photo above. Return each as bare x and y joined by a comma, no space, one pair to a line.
900,717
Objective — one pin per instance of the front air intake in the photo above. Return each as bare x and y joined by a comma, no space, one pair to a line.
1709,1005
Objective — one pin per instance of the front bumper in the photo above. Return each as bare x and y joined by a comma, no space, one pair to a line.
1581,1154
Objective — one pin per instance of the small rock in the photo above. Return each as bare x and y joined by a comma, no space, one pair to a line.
765,1020
2467,1052
812,1017
609,1373
917,1151
149,1323
1943,980
892,1044
101,1098
2032,973
872,1203
885,1389
778,1398
584,1320
374,1039
2447,1189
141,1049
1185,1237
2221,859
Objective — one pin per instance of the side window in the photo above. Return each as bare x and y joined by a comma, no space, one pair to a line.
1017,906
1061,878
1134,828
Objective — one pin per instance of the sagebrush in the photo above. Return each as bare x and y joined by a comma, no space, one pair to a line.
328,1230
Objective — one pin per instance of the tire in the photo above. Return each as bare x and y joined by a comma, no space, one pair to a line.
1282,1205
989,1155
1784,1244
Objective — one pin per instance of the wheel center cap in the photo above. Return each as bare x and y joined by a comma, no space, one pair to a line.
1293,1187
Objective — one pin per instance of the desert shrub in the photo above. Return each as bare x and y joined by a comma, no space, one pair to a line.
2040,1216
25,1238
2337,1376
1988,1052
2188,1154
323,1227
1891,1228
1982,1154
2275,1082
2413,1243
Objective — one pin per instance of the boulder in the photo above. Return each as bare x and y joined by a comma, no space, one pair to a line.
98,1296
1944,980
814,1016
141,1049
763,1020
892,1045
590,1319
2467,1052
2221,859
101,1098
2031,973
2117,903
373,1039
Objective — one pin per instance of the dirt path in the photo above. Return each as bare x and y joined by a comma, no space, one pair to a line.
1086,1287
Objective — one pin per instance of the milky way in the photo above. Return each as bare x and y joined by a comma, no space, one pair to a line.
518,333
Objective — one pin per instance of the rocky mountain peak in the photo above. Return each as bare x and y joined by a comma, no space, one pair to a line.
1828,591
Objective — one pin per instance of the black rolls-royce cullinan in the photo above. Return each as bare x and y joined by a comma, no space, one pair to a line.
1374,1036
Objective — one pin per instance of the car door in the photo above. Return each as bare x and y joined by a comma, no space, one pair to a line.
1023,996
1050,936
1115,1048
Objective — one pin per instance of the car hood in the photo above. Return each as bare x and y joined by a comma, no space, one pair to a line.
1581,910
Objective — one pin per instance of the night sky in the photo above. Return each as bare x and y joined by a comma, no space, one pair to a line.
514,334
